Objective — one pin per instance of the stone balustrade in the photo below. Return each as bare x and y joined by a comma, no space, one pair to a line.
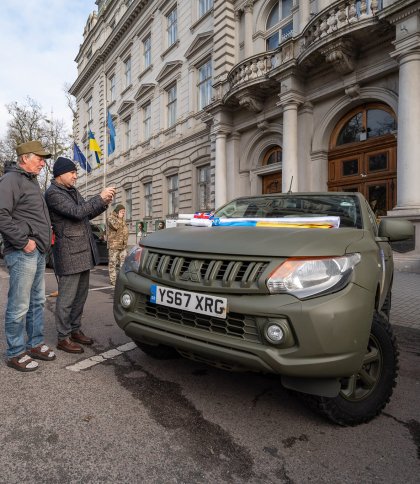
337,16
253,68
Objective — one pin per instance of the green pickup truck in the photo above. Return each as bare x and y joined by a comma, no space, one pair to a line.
296,284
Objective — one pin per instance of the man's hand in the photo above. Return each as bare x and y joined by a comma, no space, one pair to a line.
30,246
107,194
121,213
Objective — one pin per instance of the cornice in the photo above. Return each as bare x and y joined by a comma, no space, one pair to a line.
100,56
398,11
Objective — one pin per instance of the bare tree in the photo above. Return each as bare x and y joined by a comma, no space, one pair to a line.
28,122
71,101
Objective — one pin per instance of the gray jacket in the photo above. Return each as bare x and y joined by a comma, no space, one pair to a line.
74,247
23,211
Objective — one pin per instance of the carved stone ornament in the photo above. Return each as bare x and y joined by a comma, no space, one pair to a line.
353,91
263,125
249,6
251,103
340,54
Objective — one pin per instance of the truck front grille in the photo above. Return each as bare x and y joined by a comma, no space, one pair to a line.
235,325
188,271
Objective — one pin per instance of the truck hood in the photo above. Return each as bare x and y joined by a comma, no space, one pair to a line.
254,241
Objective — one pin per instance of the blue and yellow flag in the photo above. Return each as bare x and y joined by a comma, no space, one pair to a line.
93,146
80,158
111,134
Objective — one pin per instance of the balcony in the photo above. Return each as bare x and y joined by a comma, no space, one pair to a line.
332,36
338,16
253,76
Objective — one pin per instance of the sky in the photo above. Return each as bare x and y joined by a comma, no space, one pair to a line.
39,40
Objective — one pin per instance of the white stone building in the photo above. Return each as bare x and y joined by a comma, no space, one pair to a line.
213,99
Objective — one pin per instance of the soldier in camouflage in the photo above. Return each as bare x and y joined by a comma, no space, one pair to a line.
117,241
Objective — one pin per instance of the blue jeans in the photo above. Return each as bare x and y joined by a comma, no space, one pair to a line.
25,301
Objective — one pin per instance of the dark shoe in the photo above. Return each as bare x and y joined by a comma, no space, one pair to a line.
42,352
68,346
79,337
22,362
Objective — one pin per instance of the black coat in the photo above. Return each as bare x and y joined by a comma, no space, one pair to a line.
74,248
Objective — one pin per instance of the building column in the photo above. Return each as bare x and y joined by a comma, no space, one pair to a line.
304,14
290,147
408,167
407,54
238,15
248,28
220,175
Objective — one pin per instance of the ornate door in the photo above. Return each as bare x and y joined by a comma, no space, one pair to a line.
363,157
272,183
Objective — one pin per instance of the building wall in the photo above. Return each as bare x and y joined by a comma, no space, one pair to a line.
339,55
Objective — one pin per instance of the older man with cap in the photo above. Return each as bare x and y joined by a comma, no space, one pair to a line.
75,252
26,229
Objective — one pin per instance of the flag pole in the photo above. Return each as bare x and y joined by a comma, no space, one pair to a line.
87,161
105,156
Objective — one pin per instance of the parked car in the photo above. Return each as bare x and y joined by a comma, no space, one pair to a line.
100,238
272,286
99,233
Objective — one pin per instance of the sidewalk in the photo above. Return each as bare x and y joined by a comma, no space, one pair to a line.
405,309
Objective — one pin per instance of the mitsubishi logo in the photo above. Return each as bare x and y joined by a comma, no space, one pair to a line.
193,272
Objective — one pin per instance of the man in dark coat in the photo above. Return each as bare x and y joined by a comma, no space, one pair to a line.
26,229
74,250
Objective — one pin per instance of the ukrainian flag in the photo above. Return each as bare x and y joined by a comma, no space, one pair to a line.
93,146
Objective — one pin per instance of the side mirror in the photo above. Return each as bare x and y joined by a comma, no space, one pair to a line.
395,229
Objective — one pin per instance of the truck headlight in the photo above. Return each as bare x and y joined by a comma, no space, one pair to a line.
132,261
126,299
274,333
306,277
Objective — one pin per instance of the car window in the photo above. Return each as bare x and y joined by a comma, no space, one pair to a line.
305,205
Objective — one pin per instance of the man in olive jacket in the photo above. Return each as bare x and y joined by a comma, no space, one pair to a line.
75,252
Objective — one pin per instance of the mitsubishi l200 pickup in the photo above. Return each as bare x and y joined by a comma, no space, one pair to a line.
297,285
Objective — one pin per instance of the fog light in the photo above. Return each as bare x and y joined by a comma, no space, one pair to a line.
126,300
274,333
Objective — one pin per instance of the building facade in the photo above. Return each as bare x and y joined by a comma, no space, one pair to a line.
213,99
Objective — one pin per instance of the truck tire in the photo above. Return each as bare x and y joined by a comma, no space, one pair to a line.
158,352
364,395
386,307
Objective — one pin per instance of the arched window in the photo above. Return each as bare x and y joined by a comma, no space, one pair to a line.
279,23
273,155
363,156
363,123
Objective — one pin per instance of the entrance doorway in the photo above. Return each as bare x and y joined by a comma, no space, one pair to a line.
271,182
363,156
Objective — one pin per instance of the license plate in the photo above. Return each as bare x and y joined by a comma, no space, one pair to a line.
189,301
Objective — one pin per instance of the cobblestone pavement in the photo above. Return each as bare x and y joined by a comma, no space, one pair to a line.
405,309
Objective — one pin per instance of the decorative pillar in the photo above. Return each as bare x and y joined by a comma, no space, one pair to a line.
304,14
238,15
290,145
407,54
408,166
248,9
220,176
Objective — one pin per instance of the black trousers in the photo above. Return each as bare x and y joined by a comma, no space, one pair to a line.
72,294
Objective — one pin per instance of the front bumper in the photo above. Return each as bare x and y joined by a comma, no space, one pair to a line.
327,336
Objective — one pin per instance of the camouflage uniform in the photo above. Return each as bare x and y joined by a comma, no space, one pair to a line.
117,244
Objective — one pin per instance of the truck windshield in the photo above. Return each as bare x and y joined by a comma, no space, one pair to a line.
293,205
